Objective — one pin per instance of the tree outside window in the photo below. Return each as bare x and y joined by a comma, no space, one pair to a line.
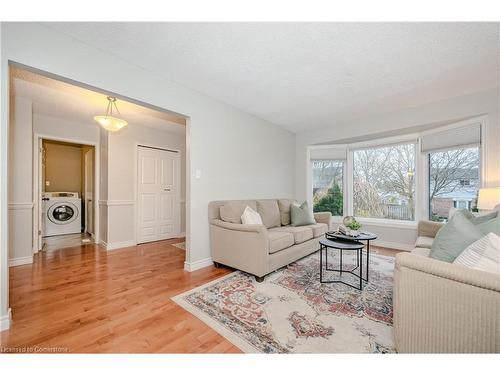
328,186
384,182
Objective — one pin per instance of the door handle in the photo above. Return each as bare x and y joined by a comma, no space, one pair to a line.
166,189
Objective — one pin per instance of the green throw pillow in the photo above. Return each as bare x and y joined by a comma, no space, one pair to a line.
301,215
490,226
454,237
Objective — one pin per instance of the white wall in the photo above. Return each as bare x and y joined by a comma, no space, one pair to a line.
482,103
20,182
239,155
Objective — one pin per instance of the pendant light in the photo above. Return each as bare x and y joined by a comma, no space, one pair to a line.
108,122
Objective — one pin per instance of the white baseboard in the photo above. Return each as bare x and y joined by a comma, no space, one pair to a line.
196,265
5,320
393,245
117,245
180,235
20,261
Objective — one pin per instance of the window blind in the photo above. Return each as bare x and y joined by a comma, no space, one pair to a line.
330,153
469,135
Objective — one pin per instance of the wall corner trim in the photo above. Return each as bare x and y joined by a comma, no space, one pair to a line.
5,320
198,264
21,261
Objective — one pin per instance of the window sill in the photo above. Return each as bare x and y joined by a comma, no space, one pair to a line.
380,222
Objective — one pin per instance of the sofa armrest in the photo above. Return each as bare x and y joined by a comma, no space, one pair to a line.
324,217
428,228
441,307
241,246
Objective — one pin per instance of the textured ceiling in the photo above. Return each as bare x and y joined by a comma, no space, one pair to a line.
55,98
309,75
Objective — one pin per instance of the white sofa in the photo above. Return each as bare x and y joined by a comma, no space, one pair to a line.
261,249
442,307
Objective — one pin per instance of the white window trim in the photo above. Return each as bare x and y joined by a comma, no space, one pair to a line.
421,168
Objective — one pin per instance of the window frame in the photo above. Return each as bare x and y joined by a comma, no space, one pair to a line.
344,186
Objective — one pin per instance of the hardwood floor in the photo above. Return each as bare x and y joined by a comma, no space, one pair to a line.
84,299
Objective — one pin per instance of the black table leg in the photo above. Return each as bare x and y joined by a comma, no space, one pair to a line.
341,263
367,258
361,270
321,263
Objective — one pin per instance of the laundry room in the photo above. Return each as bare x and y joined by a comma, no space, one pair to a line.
67,171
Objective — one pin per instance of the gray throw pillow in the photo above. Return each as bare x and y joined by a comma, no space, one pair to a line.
490,226
301,215
476,220
454,237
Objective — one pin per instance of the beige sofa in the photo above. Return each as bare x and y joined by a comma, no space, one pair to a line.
441,307
261,249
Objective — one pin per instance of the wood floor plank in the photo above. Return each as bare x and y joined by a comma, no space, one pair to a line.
87,300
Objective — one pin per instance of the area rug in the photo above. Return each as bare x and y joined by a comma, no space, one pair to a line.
180,245
292,312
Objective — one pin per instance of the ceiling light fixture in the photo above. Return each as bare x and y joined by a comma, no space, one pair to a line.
108,122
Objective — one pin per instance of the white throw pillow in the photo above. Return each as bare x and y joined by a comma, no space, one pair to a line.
484,254
250,217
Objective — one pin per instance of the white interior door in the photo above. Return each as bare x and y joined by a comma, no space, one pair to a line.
40,188
158,194
89,191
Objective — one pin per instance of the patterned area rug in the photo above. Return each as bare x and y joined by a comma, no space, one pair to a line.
292,312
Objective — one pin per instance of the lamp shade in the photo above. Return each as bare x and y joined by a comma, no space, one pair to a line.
110,123
488,198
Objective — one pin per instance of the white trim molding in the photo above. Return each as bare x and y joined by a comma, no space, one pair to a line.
393,245
21,205
198,264
117,245
20,261
109,203
5,320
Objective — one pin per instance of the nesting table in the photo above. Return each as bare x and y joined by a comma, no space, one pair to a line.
341,242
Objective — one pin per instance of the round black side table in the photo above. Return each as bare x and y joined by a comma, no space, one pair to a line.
361,237
341,245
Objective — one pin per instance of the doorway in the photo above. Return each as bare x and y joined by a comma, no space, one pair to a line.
65,194
158,194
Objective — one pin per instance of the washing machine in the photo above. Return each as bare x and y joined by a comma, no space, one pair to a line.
61,213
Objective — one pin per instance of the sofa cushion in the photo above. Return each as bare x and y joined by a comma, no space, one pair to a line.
423,241
279,241
269,212
422,251
232,211
454,237
284,206
251,217
300,234
319,229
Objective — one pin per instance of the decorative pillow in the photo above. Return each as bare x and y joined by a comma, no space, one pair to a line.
269,212
284,206
232,211
484,254
454,237
301,215
490,226
250,217
476,220
454,210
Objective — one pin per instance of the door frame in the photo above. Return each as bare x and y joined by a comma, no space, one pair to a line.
37,185
84,191
136,183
